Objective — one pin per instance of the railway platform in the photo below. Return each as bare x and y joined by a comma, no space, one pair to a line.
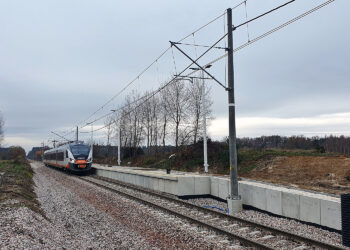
307,206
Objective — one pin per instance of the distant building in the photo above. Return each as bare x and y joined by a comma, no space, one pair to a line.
36,152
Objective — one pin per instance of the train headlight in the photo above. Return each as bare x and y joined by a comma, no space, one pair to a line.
71,160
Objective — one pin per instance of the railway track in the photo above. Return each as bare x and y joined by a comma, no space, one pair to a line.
248,233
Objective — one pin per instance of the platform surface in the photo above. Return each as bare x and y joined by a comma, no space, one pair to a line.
309,206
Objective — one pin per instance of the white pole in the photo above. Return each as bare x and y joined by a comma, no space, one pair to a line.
119,144
92,138
204,126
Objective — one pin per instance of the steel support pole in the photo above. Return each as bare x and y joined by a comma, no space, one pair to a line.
119,145
76,136
204,110
231,107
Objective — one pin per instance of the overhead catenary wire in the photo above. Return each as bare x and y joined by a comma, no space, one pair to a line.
172,52
268,33
223,15
200,45
195,48
235,50
239,4
127,85
150,65
244,23
111,112
60,136
246,16
165,85
246,44
264,14
159,89
66,132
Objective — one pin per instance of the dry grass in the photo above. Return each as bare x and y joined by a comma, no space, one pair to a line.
325,174
17,185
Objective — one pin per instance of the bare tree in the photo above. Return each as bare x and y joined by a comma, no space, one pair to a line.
109,128
156,108
146,109
176,105
131,121
126,131
150,120
195,106
164,115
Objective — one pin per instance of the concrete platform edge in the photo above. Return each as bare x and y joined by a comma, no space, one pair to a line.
301,205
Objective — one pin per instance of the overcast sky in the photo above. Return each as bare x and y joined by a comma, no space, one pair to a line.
60,60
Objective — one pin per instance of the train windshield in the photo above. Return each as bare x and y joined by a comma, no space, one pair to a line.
80,150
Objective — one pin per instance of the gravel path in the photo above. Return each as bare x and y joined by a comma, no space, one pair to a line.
83,216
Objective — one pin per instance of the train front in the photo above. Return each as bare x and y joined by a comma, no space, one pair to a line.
80,157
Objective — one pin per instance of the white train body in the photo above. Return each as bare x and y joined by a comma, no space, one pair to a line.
75,157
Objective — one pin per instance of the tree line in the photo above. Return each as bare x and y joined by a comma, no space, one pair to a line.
173,116
331,143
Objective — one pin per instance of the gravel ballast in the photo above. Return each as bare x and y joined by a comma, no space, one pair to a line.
285,224
81,215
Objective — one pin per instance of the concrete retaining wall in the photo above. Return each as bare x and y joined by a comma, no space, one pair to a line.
179,185
302,205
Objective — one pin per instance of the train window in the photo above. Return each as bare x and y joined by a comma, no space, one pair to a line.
60,156
80,150
66,153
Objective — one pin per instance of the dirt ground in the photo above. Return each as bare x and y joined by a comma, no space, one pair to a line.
325,174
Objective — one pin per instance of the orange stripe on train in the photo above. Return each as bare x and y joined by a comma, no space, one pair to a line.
80,161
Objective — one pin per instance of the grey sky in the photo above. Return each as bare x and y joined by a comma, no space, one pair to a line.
60,60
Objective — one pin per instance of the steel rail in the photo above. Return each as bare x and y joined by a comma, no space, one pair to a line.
242,239
290,235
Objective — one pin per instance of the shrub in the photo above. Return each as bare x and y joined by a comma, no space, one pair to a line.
17,154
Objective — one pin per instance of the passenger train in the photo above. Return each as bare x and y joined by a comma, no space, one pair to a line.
75,157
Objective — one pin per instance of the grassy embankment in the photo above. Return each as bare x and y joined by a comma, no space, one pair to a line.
17,185
190,158
251,159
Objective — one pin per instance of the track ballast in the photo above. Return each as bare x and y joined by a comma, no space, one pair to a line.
248,233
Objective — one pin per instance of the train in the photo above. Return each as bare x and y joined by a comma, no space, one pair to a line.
75,157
